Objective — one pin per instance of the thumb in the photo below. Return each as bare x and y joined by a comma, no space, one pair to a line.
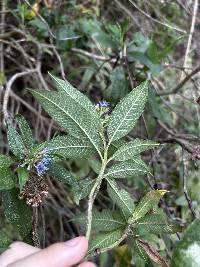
62,254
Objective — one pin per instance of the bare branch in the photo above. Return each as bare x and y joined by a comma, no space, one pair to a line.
181,84
91,55
189,201
156,20
194,15
8,89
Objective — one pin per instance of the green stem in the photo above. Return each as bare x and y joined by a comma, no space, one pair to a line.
96,187
92,197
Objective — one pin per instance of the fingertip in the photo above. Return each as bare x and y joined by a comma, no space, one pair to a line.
87,264
16,251
60,254
69,252
77,241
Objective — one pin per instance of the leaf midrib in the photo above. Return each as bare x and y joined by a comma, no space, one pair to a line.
125,116
109,220
103,240
120,197
74,97
124,149
64,147
114,172
135,214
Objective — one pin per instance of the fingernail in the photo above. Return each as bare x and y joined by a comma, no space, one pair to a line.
73,242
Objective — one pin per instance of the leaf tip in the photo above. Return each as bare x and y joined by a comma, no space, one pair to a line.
162,192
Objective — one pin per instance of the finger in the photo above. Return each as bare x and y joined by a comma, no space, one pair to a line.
16,251
87,264
60,254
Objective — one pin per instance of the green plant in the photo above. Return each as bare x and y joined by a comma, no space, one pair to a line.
93,131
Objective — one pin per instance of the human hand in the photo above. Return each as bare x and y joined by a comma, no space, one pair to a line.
64,254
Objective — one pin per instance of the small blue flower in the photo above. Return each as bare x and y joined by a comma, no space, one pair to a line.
41,166
103,107
45,161
103,103
45,151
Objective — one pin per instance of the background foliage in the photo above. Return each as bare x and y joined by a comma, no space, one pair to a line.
104,49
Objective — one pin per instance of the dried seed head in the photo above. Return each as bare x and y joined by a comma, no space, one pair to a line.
34,191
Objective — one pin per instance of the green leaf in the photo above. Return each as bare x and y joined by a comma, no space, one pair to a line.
74,118
156,222
77,96
123,256
152,52
133,148
62,175
121,198
152,253
154,67
148,202
6,178
69,147
65,31
119,86
142,49
102,36
5,241
104,240
83,189
115,145
95,165
15,142
105,220
156,109
127,112
26,132
137,160
140,43
138,253
22,176
5,161
187,251
125,169
17,212
40,26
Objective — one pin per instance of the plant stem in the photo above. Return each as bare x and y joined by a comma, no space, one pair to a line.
92,197
35,237
95,189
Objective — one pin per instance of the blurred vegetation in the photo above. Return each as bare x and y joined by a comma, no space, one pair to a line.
105,49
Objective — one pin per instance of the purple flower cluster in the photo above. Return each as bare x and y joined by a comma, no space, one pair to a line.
41,166
103,108
103,103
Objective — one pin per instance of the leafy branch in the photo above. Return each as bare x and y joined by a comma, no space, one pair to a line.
91,130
